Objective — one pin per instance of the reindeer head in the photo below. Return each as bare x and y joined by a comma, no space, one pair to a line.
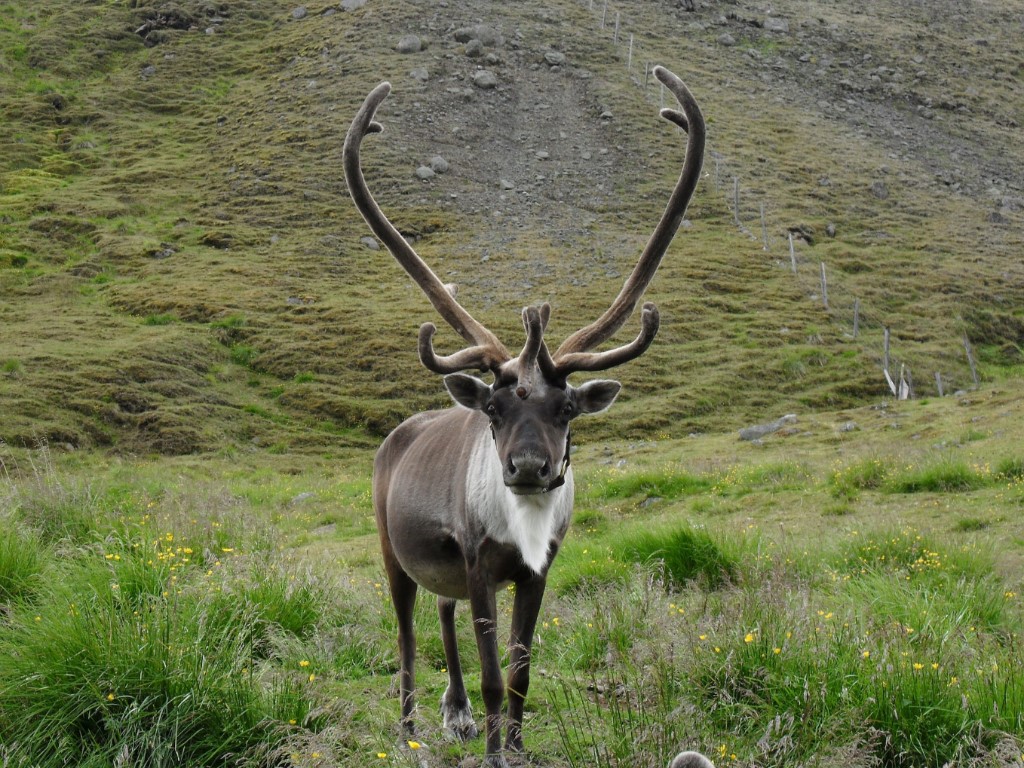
530,403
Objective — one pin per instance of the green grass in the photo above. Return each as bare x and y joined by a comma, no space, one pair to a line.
666,484
681,555
23,564
943,475
761,641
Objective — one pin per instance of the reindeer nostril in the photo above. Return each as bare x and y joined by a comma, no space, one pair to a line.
511,467
545,470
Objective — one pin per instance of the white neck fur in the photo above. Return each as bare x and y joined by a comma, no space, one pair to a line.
526,522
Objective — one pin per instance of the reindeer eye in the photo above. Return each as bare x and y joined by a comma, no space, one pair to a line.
568,410
491,410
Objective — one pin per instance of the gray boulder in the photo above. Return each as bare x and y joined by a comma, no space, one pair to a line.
409,44
757,431
485,79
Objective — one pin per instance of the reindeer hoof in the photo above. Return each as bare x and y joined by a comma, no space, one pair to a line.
458,722
461,732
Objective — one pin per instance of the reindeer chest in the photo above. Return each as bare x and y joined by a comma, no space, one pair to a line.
435,528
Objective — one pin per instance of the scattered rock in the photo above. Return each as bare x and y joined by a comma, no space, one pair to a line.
370,242
830,229
485,79
425,172
554,58
849,426
775,24
352,5
506,184
880,190
757,431
299,13
409,44
420,73
726,39
488,36
474,48
438,164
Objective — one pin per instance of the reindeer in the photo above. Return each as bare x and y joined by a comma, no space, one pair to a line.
473,498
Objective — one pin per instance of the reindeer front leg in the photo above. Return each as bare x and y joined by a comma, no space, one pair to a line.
529,595
485,624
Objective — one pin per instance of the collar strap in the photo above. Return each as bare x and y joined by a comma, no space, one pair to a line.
559,481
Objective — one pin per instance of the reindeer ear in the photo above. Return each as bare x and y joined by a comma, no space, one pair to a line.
596,396
467,390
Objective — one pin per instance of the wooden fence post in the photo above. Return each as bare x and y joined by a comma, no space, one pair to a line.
764,228
736,199
824,286
885,348
970,359
856,317
792,253
938,384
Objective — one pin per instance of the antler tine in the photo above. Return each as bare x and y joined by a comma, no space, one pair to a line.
482,357
690,120
534,321
602,361
487,351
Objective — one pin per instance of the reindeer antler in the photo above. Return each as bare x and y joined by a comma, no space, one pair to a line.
486,352
573,354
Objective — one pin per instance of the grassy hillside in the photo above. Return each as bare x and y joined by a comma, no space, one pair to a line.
182,271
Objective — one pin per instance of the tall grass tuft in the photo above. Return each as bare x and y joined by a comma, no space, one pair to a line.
85,677
866,474
683,553
23,563
663,484
151,641
944,475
